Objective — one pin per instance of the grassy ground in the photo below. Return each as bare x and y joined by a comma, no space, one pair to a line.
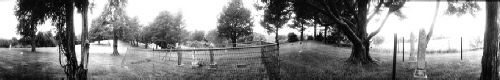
316,60
299,61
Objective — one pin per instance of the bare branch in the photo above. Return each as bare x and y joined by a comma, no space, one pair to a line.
375,11
380,27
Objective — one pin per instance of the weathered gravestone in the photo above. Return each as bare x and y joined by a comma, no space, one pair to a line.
413,55
420,72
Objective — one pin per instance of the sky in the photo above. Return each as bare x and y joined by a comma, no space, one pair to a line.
202,15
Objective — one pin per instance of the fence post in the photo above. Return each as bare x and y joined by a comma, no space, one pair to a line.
461,54
394,57
212,60
403,49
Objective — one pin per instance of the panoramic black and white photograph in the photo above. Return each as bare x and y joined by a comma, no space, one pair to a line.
249,39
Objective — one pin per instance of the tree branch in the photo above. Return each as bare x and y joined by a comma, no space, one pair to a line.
380,27
375,11
433,22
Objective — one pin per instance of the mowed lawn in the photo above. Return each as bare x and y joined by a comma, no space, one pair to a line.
313,59
298,61
133,62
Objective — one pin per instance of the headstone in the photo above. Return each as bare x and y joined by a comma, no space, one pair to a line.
413,55
10,47
420,72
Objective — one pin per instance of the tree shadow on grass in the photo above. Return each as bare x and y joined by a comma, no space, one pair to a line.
25,66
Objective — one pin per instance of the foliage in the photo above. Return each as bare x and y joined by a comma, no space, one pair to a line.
213,37
377,40
4,43
98,30
462,7
198,35
310,37
476,43
45,39
319,37
167,29
298,23
235,21
292,37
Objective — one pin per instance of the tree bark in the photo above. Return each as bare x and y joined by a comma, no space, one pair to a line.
326,30
84,46
360,50
69,47
33,43
146,45
233,41
115,38
489,61
302,33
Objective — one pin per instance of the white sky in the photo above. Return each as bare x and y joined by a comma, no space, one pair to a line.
202,15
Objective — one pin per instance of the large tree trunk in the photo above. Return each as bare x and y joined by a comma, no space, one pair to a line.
71,67
98,41
326,30
33,43
302,33
489,62
115,38
146,45
360,50
84,46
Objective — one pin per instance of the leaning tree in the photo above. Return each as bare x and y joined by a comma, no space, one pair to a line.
351,18
234,21
34,12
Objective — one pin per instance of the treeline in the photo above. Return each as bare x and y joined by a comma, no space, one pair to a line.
42,39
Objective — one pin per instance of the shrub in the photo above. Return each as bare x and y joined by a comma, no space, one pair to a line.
292,37
319,37
310,37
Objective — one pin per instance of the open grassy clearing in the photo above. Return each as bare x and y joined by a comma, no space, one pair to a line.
316,60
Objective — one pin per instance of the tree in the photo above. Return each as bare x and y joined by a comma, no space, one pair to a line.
213,37
167,29
98,30
234,21
33,12
131,33
276,14
351,17
114,16
27,31
489,62
198,35
299,25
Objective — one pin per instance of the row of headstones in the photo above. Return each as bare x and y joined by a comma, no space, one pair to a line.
417,58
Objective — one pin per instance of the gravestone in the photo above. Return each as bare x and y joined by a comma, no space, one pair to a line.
413,55
420,72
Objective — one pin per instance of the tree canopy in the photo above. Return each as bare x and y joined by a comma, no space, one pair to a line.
166,29
234,21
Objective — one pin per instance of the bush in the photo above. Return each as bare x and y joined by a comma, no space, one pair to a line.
310,37
4,43
292,37
319,37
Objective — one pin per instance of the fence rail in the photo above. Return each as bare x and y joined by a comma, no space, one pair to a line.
258,59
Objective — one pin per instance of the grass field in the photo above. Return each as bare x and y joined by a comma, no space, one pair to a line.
317,60
298,61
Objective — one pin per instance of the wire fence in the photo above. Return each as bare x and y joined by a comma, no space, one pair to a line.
256,59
